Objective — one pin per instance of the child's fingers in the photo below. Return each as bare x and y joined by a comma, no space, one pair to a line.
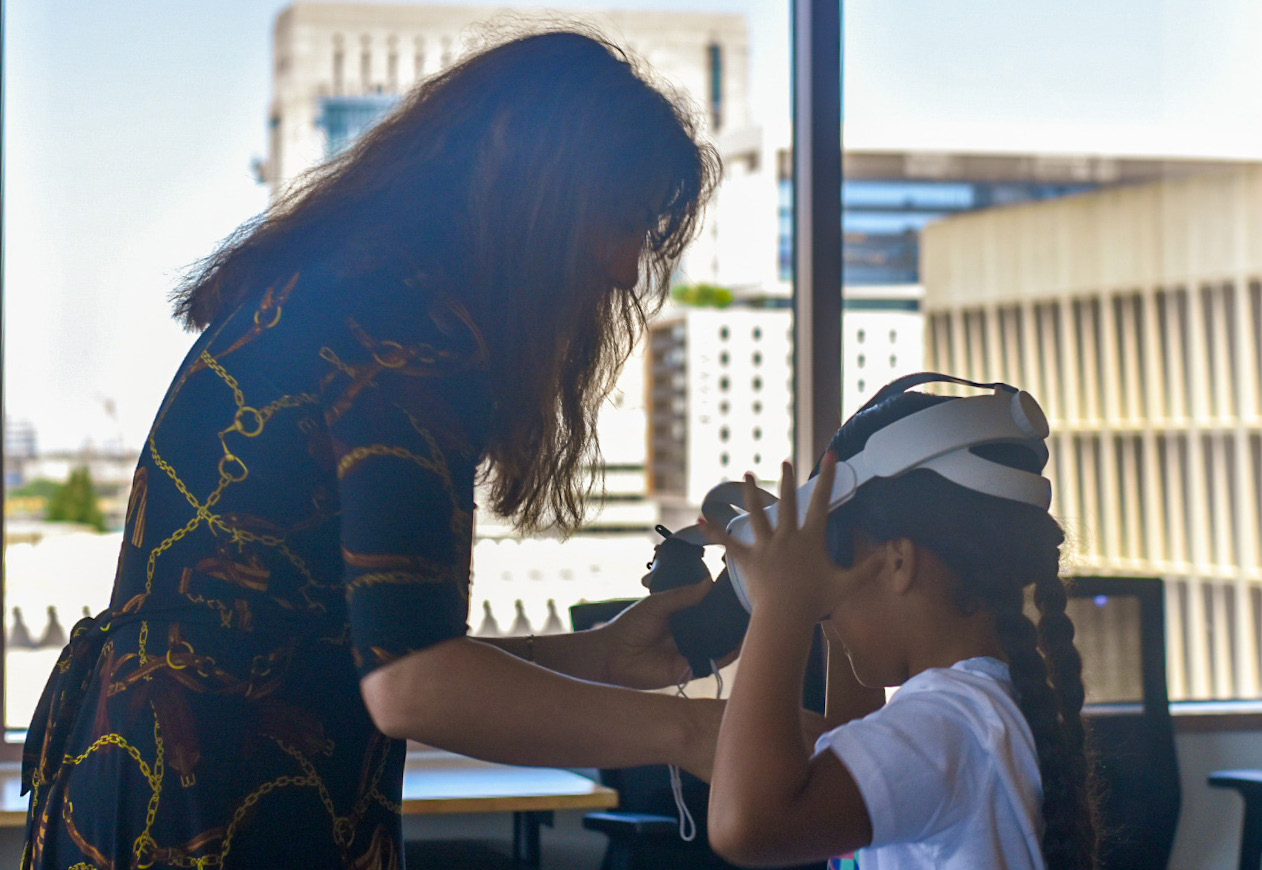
817,513
753,503
788,498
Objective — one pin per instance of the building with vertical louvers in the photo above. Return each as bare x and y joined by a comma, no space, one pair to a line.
1135,315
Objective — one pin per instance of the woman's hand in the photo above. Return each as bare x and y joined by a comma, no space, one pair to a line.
788,567
637,647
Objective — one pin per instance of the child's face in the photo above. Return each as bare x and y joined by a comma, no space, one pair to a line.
867,625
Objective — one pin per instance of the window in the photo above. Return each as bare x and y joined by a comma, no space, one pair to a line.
418,58
1147,370
392,64
339,66
714,58
331,78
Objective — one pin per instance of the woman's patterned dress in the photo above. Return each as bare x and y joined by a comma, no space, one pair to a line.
301,514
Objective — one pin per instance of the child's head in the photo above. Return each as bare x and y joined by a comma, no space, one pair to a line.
984,551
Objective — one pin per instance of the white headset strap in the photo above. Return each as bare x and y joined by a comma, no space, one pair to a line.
971,471
721,502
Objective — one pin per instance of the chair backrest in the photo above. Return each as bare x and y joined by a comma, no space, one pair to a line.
1120,631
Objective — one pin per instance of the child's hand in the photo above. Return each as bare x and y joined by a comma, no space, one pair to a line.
788,568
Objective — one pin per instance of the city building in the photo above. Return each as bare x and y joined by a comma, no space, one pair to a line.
21,445
721,395
703,406
888,197
339,66
1134,314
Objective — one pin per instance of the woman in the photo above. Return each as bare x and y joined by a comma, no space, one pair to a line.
456,291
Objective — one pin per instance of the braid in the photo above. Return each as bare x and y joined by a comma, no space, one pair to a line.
1056,641
1049,691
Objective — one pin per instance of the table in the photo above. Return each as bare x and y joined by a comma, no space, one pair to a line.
442,782
437,782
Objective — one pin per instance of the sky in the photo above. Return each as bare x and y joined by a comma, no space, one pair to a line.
131,126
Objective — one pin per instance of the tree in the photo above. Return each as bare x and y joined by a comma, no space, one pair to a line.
40,487
702,295
75,502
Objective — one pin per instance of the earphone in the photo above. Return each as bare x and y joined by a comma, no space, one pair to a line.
940,438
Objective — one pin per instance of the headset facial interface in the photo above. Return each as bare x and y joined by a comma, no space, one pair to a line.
941,438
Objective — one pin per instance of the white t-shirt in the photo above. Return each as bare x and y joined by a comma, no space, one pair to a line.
949,773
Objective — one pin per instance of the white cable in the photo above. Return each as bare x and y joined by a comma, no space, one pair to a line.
687,826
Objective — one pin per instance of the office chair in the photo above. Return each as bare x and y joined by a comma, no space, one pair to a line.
1249,784
1120,632
644,831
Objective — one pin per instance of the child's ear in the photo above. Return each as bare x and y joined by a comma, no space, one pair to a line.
900,564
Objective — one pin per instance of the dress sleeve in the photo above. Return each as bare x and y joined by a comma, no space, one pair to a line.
398,420
914,762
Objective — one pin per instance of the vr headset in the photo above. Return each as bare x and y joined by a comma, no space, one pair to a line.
940,438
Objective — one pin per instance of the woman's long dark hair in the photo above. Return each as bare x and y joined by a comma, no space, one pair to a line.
500,184
997,548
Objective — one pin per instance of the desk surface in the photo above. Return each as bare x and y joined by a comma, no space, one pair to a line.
433,782
440,782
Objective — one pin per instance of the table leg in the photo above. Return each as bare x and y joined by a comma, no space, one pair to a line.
526,852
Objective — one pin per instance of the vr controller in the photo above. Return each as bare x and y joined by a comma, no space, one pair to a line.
705,632
940,438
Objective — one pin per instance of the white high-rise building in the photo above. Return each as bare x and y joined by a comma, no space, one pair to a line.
338,66
721,387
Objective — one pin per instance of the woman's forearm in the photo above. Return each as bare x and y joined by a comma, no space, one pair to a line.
574,654
472,698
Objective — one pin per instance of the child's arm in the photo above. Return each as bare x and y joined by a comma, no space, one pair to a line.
770,801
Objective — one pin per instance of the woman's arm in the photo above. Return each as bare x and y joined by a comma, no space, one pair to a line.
471,698
770,802
572,654
635,649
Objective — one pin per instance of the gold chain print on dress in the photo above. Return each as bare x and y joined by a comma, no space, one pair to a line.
218,697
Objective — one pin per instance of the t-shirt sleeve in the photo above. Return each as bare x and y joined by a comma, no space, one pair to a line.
913,761
405,472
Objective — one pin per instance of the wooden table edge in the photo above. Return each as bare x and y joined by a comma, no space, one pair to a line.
600,798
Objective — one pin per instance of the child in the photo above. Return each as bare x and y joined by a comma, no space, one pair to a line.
978,760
